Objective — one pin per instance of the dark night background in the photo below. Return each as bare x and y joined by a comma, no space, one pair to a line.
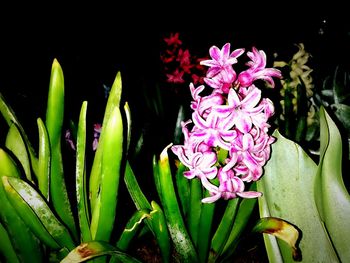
93,46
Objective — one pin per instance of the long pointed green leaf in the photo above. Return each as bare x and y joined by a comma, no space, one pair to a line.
205,229
156,222
194,216
24,242
241,220
10,117
95,175
222,232
15,143
134,189
103,215
93,249
54,121
80,177
176,225
35,212
331,195
44,159
288,193
183,188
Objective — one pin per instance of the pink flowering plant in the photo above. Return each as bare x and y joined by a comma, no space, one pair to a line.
226,145
229,139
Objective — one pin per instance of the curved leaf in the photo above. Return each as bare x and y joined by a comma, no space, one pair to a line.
287,188
331,195
93,249
35,212
15,143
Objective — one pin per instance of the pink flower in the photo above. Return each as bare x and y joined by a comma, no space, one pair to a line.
233,117
257,70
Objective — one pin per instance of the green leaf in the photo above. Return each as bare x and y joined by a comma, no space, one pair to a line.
177,229
104,212
223,231
245,209
7,251
205,229
54,121
282,230
183,188
134,189
159,228
10,117
15,143
156,221
331,195
44,160
26,245
80,177
195,209
132,228
342,112
288,193
95,175
93,249
35,212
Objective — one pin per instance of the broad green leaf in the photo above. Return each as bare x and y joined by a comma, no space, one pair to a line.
331,195
288,193
104,212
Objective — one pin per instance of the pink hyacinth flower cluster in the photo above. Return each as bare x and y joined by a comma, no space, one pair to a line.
232,119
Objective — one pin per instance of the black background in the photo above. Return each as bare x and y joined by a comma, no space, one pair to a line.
93,42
